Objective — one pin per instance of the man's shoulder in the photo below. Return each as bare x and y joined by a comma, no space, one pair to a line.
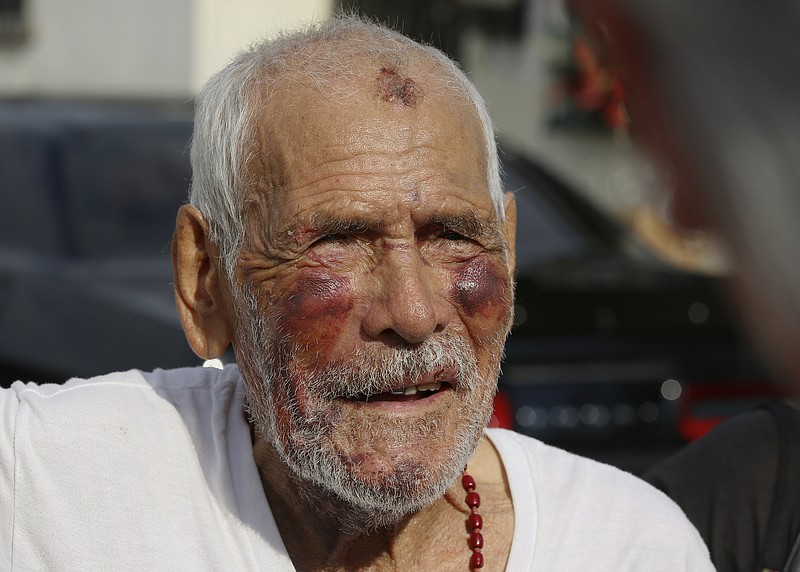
539,455
554,473
582,514
133,388
124,411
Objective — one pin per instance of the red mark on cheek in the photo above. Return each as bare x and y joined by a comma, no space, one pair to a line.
394,88
479,288
316,309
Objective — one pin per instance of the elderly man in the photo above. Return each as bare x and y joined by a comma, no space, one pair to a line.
348,235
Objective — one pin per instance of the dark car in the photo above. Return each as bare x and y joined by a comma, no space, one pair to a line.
85,278
608,346
615,354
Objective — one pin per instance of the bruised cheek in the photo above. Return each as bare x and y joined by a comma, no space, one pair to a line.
480,290
315,310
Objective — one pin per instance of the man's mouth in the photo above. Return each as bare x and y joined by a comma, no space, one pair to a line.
407,393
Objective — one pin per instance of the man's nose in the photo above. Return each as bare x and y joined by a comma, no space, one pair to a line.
408,306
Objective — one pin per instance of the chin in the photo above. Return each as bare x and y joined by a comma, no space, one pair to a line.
365,500
380,486
369,483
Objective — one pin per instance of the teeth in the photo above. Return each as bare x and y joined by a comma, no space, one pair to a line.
435,386
413,389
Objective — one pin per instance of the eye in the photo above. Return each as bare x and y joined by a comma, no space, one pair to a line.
447,234
333,237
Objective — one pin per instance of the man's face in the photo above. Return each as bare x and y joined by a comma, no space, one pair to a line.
375,292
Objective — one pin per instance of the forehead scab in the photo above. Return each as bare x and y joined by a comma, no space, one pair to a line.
394,88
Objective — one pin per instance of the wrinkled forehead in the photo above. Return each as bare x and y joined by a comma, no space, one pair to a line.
368,102
337,67
410,81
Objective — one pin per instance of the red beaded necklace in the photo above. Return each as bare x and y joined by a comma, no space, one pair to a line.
474,521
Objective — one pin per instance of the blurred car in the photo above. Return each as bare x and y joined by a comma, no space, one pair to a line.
609,343
91,193
615,354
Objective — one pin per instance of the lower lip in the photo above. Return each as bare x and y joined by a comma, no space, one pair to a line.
411,406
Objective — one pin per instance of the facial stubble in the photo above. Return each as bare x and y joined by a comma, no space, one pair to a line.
309,436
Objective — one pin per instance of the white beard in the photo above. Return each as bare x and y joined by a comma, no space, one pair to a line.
306,447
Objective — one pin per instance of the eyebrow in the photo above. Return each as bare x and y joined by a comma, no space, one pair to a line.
325,223
464,223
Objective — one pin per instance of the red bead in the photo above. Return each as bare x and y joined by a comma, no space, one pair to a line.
475,521
468,482
475,540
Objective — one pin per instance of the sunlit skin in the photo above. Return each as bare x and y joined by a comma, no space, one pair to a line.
372,226
380,233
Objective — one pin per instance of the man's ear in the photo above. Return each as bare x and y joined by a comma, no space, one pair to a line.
200,292
510,230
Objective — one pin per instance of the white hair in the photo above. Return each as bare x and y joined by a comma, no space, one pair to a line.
224,140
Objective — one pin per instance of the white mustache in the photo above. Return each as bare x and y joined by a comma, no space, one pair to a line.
374,370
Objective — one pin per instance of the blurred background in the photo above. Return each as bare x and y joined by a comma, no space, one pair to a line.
624,347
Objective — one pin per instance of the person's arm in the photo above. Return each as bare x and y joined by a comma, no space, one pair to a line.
724,483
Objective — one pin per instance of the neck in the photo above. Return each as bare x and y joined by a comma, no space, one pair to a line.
317,538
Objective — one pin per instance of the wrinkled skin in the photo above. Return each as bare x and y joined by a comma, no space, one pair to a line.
372,230
382,233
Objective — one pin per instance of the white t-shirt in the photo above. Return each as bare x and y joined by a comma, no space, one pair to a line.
154,471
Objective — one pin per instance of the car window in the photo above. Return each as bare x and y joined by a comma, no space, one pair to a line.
544,233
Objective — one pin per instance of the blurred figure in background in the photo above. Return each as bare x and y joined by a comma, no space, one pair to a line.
713,88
